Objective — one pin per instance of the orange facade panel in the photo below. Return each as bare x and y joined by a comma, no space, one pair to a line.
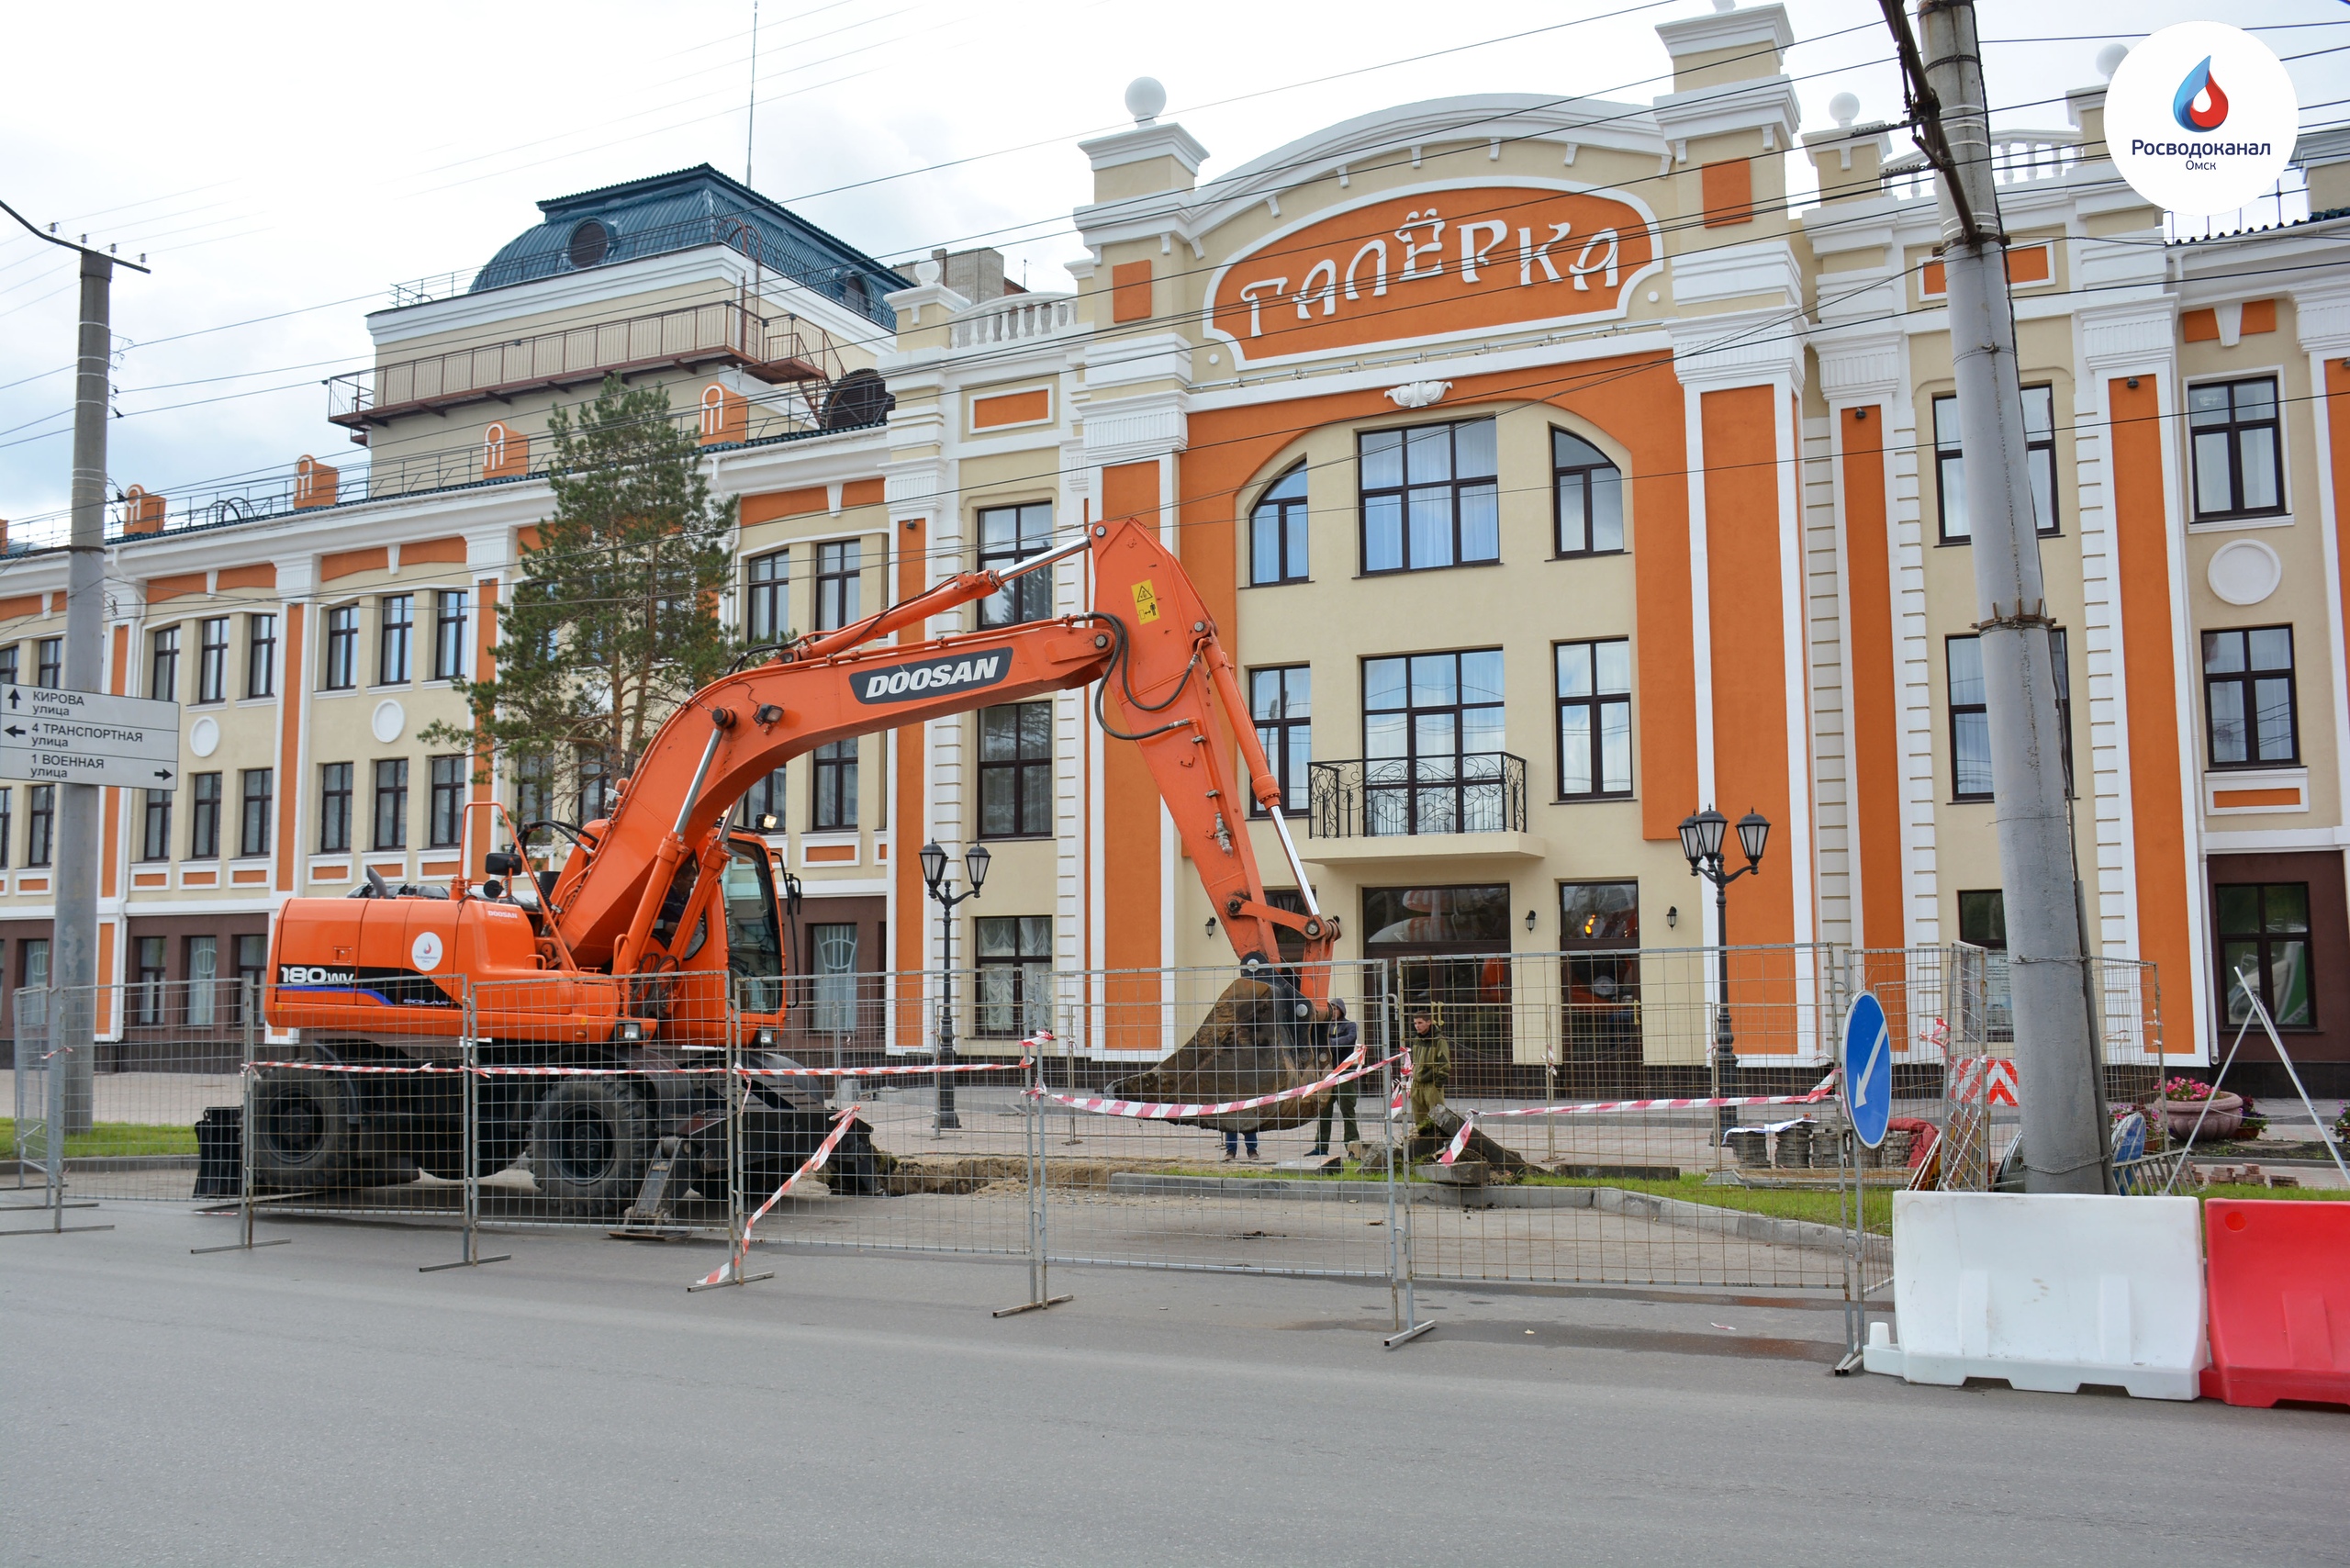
1028,407
863,493
341,564
178,586
261,576
777,504
1876,767
1728,190
1130,291
425,551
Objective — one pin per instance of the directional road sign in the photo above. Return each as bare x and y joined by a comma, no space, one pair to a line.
1868,1069
48,737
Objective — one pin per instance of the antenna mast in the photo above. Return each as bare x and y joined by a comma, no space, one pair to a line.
751,115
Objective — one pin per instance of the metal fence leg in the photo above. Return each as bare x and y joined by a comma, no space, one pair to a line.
1407,1323
54,1130
1033,1136
245,1243
738,1240
1851,1191
469,1101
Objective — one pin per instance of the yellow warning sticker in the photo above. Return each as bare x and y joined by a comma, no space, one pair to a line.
1145,601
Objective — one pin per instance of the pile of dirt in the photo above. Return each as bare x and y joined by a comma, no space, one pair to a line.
958,1175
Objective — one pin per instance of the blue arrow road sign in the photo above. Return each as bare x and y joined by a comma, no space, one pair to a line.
1868,1069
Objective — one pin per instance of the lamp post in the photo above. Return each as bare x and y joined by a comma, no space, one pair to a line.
1701,843
936,876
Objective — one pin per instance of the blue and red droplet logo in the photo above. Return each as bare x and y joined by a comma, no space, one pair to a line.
2199,88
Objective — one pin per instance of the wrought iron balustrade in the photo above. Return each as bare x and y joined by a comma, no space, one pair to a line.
1399,797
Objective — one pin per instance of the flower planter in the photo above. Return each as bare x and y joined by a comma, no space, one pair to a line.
2226,1116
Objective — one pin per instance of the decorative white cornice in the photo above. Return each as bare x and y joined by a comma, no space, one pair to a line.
1858,367
1766,103
912,300
1751,28
916,488
1741,348
2139,336
1738,272
2321,316
1134,429
1144,142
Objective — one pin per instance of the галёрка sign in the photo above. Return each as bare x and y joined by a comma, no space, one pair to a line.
49,736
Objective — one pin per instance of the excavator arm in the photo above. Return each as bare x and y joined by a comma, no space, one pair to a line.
1167,685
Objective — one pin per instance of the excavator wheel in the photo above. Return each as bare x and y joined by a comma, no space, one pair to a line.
590,1142
307,1134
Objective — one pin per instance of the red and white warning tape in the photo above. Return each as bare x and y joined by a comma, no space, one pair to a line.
598,1072
356,1067
841,1123
1155,1111
1825,1087
1020,1066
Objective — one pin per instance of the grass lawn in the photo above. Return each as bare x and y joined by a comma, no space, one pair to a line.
1820,1208
115,1140
2245,1189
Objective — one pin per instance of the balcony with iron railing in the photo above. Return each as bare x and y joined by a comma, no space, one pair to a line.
1468,804
777,350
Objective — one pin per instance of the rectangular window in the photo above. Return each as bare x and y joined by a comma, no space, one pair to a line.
1970,719
1982,919
203,982
2239,451
2248,701
1588,493
253,829
595,785
1432,744
155,836
766,581
762,807
391,803
51,670
1016,771
342,649
147,993
392,643
334,807
1015,961
448,812
261,656
2264,932
40,823
1282,702
204,816
533,794
838,585
1430,497
832,951
212,659
1595,695
164,665
7,823
1277,531
1008,535
8,665
2040,462
449,614
834,807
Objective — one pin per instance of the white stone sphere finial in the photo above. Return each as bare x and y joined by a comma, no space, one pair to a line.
2109,58
1725,5
927,273
1845,108
1145,98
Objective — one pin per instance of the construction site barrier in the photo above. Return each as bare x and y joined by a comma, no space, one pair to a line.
2048,1292
2280,1280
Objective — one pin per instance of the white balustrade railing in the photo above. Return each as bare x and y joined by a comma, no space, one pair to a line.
1014,319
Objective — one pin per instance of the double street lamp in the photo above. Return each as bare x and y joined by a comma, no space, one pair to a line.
1701,841
937,875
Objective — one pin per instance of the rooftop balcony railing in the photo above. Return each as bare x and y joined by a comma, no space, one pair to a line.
1016,317
774,349
1398,797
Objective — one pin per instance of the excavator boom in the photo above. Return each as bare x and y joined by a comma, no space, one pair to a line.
1167,685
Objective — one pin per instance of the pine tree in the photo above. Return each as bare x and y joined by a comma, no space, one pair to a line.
613,620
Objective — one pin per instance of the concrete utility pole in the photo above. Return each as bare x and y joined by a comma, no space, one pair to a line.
73,930
2065,1134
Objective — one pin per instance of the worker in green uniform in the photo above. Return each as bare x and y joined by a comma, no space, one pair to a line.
1431,1065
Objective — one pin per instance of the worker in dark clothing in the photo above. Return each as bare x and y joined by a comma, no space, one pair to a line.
1431,1065
1337,1046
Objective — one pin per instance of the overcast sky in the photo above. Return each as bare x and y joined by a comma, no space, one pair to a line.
282,166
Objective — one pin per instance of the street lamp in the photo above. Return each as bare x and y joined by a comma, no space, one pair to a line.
1701,843
937,877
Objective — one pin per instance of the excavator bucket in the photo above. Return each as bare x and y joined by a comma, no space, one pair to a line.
1246,1046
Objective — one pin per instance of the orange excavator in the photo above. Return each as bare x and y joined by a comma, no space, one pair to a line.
622,959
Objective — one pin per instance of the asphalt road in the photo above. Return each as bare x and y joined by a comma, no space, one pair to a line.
324,1403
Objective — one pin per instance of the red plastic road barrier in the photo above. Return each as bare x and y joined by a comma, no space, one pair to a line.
2279,1277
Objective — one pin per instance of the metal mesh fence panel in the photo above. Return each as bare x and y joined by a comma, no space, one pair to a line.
1188,1123
152,1105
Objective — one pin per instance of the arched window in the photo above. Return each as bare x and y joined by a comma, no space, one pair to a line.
590,243
1590,497
493,451
713,412
1277,531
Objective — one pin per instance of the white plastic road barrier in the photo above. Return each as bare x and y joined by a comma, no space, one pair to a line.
2046,1291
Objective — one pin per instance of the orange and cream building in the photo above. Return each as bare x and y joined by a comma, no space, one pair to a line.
1551,473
